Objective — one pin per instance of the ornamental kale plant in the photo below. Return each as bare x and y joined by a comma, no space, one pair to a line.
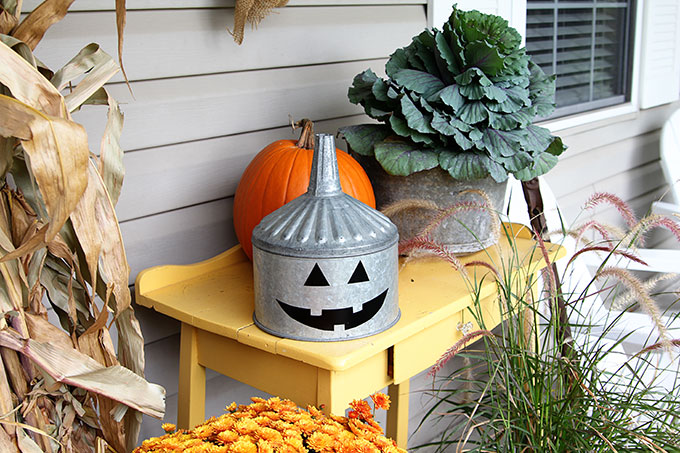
464,99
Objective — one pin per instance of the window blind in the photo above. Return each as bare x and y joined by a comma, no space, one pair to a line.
587,44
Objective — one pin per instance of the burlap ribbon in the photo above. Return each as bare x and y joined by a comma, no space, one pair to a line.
252,12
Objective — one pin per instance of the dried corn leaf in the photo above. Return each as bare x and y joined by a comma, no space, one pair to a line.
68,299
89,57
21,48
45,332
7,21
5,230
71,367
131,355
15,372
13,7
93,340
96,226
6,444
26,444
133,425
33,28
93,81
29,428
10,273
130,341
6,403
113,431
58,156
26,183
15,122
111,166
5,306
7,146
120,28
29,86
24,221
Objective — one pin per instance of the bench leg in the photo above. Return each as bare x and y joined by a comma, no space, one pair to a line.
397,416
191,395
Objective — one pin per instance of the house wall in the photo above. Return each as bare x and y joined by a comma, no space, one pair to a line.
201,107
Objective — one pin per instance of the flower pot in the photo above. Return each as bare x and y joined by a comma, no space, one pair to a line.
465,231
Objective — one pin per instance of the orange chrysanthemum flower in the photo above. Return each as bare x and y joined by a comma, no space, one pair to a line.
381,401
362,409
169,427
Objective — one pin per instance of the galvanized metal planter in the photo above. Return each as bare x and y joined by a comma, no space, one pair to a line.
325,264
463,233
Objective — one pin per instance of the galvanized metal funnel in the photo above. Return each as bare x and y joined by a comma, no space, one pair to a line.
325,264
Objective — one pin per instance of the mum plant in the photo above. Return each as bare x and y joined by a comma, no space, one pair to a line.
64,284
275,425
463,98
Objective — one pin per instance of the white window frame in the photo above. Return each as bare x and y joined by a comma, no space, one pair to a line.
515,12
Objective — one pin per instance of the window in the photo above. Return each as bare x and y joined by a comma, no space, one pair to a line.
588,44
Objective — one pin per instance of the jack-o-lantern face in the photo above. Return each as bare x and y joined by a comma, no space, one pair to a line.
326,298
331,317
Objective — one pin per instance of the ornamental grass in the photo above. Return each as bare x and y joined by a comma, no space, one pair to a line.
280,426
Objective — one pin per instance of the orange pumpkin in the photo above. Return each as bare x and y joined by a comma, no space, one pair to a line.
280,173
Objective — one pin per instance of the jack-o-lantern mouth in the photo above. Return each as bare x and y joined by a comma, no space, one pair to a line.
331,317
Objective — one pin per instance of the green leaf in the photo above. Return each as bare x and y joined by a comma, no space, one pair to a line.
362,87
452,127
414,117
413,60
543,163
426,105
403,159
473,112
400,127
485,57
425,50
475,134
502,143
473,91
538,139
379,90
539,82
453,61
377,112
517,97
544,106
471,74
556,147
398,60
495,93
451,96
362,138
542,90
496,170
421,82
516,162
509,121
464,166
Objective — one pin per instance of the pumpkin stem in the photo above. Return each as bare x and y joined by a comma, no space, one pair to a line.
306,140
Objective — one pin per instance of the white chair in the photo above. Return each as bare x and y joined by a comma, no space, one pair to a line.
670,164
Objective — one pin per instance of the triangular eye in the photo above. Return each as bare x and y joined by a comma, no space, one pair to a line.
359,274
316,278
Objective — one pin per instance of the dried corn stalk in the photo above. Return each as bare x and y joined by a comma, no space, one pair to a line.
63,386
